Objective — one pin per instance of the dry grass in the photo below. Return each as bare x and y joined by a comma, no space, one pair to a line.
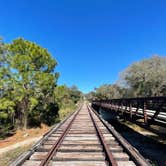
144,132
134,126
8,157
65,112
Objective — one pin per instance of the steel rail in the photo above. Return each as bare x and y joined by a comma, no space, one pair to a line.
55,147
108,153
132,152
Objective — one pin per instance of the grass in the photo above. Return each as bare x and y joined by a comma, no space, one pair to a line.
145,132
64,112
133,126
8,157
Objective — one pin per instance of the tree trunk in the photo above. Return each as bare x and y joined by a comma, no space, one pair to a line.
25,105
25,120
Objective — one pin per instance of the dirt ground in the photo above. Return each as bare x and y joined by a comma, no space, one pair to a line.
24,135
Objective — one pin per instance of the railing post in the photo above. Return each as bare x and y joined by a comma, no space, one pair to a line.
130,108
125,110
144,112
136,109
121,108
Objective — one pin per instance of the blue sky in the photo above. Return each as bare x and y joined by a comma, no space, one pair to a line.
92,40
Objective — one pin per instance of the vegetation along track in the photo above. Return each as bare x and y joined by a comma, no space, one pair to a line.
82,139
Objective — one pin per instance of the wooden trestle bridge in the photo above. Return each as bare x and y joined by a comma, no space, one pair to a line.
152,110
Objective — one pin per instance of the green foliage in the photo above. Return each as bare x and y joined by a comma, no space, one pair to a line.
75,94
27,82
28,56
146,78
63,112
62,96
33,67
7,105
141,79
106,91
29,95
7,113
66,98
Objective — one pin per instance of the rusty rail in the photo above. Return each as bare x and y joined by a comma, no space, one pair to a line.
55,147
23,157
133,153
108,153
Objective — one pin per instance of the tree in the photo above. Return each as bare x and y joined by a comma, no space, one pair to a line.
106,91
141,79
75,94
66,96
62,96
33,75
6,104
146,78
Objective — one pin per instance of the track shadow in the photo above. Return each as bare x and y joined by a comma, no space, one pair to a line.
148,147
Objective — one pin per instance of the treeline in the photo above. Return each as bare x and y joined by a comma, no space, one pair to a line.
141,79
29,94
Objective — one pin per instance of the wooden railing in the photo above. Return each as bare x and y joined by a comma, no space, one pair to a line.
150,109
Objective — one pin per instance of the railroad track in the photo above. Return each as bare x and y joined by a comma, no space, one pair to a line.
83,139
